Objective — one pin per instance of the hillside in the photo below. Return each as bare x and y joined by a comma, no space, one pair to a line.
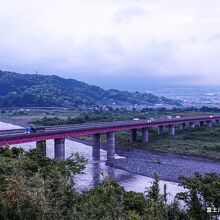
33,90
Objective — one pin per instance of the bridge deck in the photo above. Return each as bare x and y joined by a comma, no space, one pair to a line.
16,136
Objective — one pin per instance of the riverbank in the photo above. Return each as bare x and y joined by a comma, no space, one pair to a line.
168,166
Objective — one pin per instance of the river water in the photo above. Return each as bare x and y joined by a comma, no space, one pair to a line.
96,171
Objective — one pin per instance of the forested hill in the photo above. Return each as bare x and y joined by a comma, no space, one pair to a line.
33,90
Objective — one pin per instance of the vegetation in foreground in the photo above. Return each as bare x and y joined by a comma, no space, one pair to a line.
34,187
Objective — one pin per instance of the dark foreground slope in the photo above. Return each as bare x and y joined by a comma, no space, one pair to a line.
36,187
27,90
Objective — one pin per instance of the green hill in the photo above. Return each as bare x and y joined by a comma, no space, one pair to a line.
33,90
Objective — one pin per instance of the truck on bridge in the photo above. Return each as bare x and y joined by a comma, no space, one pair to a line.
31,129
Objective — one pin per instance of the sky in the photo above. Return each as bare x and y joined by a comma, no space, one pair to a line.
125,44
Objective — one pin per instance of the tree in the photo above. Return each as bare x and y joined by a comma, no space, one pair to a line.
203,192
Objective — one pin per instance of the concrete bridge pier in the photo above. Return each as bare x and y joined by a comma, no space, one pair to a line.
201,123
145,135
96,173
209,124
171,129
110,146
96,146
59,148
192,124
41,147
182,126
160,130
133,135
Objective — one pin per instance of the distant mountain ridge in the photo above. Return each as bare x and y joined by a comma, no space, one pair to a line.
34,90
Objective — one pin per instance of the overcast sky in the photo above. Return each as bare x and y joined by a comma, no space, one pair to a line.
113,43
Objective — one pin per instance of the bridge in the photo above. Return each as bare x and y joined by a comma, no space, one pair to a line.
60,133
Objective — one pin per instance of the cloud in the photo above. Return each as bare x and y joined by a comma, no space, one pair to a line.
128,13
113,39
214,37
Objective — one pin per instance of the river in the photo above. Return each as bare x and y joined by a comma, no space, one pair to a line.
96,171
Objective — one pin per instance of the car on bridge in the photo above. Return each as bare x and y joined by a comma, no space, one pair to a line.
136,119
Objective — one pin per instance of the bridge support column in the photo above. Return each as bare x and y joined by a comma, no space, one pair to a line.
171,129
145,135
96,173
110,146
160,130
191,124
59,148
182,126
41,147
133,135
96,147
209,124
201,123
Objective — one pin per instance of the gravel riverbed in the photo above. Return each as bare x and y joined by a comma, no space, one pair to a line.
168,166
